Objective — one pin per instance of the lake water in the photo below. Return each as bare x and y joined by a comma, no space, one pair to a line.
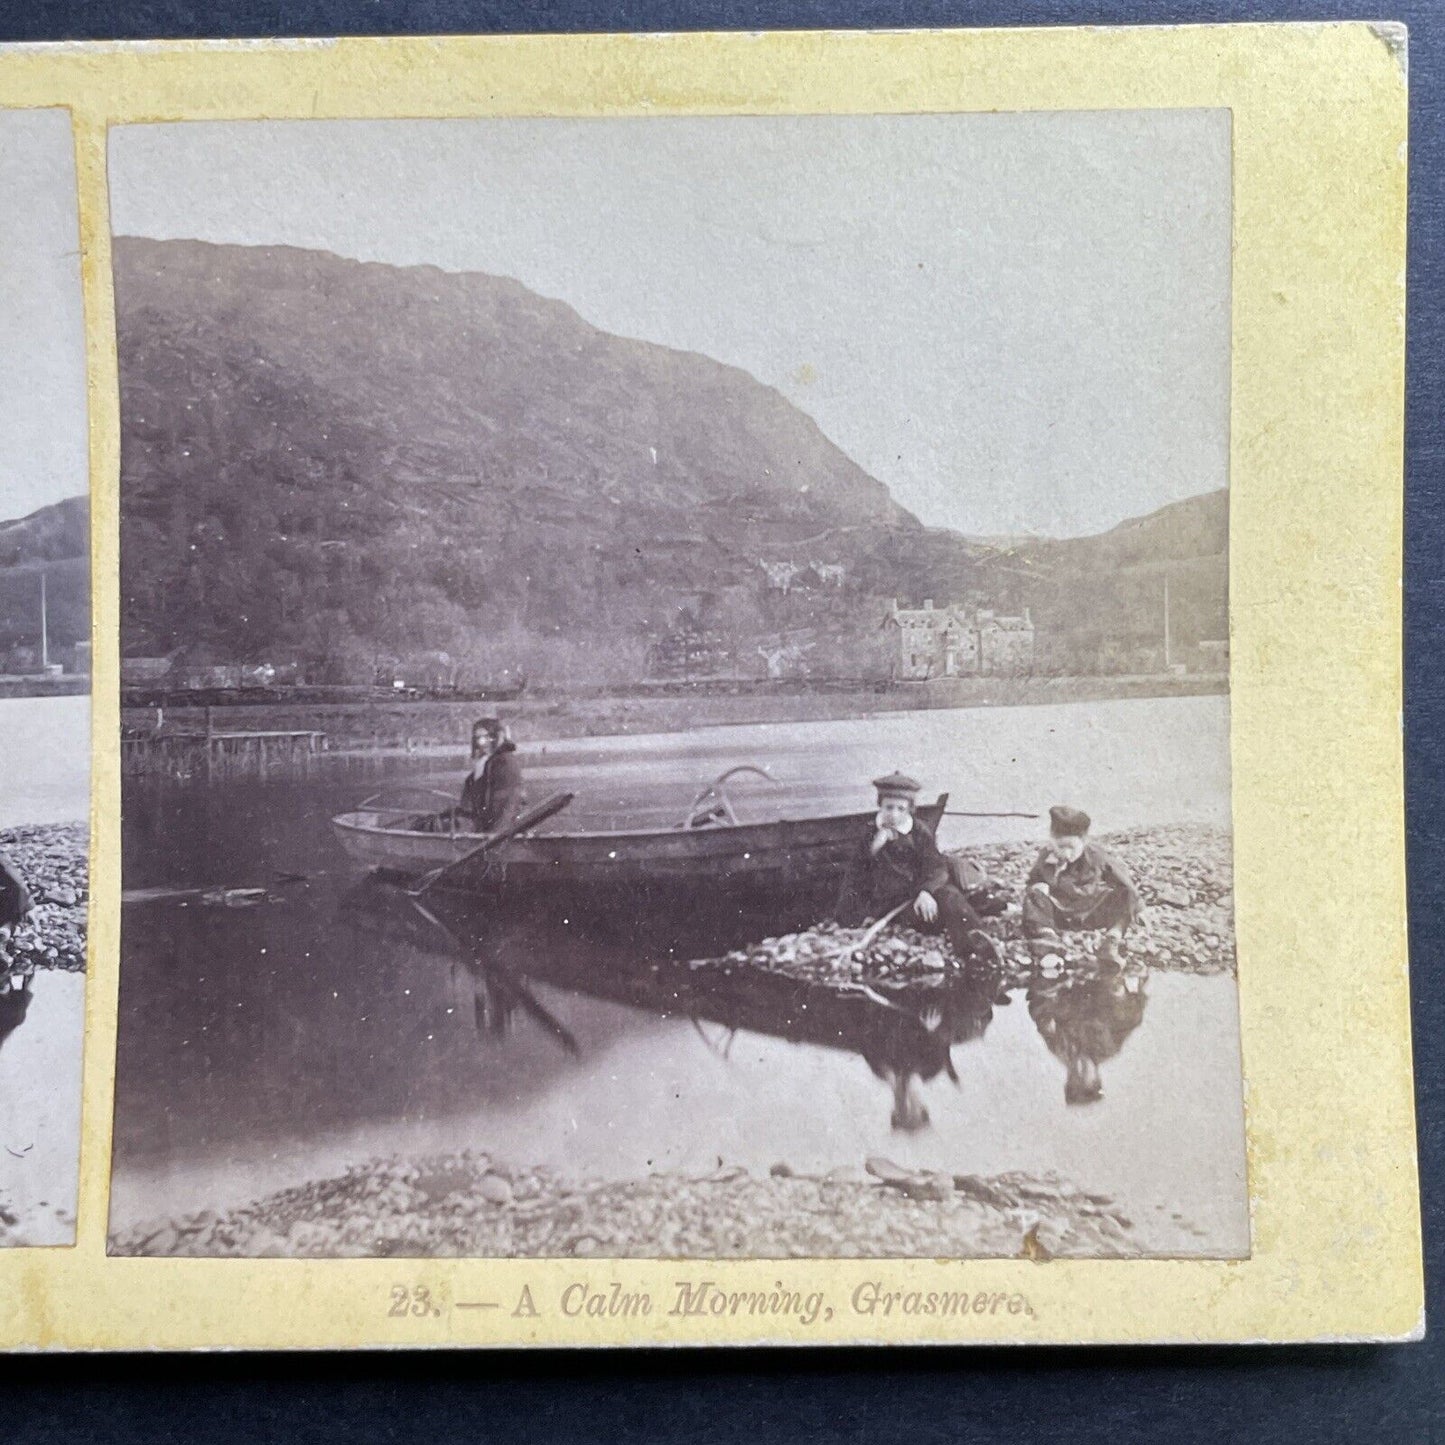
263,1046
40,1112
46,779
47,760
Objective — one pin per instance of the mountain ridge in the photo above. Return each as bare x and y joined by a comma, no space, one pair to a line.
54,540
337,460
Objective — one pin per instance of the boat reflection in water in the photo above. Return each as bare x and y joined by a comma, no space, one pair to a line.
905,1031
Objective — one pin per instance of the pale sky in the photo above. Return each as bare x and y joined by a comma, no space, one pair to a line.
1019,323
42,330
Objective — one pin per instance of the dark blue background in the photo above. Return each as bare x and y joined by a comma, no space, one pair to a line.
1054,1396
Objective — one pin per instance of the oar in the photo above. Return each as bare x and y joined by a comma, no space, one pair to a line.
494,970
873,931
529,819
535,1011
954,813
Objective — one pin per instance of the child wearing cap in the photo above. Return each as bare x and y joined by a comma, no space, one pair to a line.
1076,885
895,862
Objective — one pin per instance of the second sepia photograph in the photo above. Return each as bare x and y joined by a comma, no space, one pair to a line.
675,688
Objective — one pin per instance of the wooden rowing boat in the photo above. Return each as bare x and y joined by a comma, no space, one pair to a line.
778,858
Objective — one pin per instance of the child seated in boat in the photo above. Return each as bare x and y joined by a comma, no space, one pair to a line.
492,791
1075,885
896,865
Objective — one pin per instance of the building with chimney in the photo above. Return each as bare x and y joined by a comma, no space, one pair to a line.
956,641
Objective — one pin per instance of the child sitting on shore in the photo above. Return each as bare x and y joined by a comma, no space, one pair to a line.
896,867
1075,885
15,904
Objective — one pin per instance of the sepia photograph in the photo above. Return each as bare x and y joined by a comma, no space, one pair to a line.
45,640
674,689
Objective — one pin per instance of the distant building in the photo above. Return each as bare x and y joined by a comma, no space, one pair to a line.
21,661
210,676
426,671
781,575
956,642
172,675
79,661
784,576
784,656
1213,656
138,671
1005,644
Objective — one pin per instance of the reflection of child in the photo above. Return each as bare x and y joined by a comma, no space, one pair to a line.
1085,1021
1076,885
905,1050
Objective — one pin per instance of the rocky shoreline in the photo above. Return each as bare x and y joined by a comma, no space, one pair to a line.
469,1205
53,859
1184,874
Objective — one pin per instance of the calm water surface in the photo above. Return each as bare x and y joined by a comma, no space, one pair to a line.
267,1045
47,760
46,779
40,1112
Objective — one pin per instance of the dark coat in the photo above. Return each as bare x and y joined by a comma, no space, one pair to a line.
875,883
15,901
1079,887
494,799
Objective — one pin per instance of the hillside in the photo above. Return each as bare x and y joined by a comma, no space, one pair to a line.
54,540
1195,527
49,534
1098,601
332,461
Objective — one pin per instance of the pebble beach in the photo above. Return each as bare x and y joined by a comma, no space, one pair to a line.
471,1205
1184,876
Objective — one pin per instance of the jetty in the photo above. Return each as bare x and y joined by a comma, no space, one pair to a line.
213,755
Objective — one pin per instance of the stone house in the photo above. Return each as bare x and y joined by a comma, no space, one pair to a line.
1005,644
956,642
